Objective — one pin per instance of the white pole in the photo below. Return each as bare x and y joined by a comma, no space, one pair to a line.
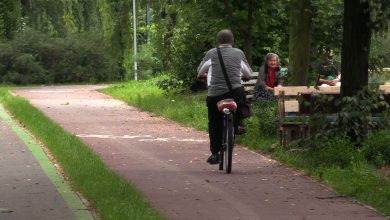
135,41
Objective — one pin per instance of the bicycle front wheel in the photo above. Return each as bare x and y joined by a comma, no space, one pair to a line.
229,140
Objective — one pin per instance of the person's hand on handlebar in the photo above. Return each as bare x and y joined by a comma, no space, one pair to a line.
202,75
203,78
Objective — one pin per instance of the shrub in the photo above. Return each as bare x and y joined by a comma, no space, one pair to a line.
376,148
169,84
354,117
148,63
192,36
337,151
266,112
34,57
25,69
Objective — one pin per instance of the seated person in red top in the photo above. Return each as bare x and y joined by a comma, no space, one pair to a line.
269,77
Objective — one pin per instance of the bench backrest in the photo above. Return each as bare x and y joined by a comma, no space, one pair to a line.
291,94
295,90
250,85
385,88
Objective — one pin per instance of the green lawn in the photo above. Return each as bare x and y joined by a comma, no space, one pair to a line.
335,165
113,197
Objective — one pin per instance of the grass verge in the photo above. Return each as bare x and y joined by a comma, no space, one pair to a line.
113,197
353,177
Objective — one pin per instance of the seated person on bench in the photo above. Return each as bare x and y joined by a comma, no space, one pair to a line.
269,77
328,70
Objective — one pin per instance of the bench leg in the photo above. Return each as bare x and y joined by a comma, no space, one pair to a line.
281,137
302,132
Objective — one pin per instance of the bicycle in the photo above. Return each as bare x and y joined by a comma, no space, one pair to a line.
228,108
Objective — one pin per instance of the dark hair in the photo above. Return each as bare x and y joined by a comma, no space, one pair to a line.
225,37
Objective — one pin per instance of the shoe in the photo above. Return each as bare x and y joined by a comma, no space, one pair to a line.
213,159
240,130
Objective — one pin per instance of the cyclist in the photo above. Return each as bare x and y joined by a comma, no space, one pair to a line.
237,68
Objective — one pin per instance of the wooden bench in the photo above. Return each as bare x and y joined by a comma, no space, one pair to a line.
292,116
385,88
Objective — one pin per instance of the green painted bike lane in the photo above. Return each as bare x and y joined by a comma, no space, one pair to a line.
29,181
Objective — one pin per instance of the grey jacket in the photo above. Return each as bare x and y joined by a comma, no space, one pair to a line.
260,84
236,66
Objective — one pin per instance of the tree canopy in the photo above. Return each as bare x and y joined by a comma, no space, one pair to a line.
173,35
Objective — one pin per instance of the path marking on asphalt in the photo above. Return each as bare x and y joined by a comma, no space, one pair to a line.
104,136
143,138
51,91
173,139
71,198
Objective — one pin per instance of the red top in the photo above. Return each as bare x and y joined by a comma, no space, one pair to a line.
271,77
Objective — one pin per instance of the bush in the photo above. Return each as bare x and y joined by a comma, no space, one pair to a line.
380,51
148,63
34,58
338,151
25,70
354,117
192,36
266,112
376,148
169,84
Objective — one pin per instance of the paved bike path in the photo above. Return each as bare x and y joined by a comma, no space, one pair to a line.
167,163
30,186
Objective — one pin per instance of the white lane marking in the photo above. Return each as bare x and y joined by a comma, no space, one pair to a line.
191,140
173,139
51,91
104,136
142,138
155,139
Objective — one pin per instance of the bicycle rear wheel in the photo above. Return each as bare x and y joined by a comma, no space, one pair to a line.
221,159
229,140
222,151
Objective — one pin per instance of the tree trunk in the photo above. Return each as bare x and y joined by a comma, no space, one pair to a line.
148,21
300,40
249,35
24,2
356,47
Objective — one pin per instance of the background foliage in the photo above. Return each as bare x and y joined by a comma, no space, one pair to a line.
75,58
173,35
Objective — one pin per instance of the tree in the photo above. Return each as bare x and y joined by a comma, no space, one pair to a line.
359,23
300,41
81,16
327,24
9,18
44,17
244,27
116,30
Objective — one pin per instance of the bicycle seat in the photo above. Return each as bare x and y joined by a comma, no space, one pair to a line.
227,103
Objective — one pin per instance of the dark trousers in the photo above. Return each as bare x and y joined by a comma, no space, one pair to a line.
216,117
